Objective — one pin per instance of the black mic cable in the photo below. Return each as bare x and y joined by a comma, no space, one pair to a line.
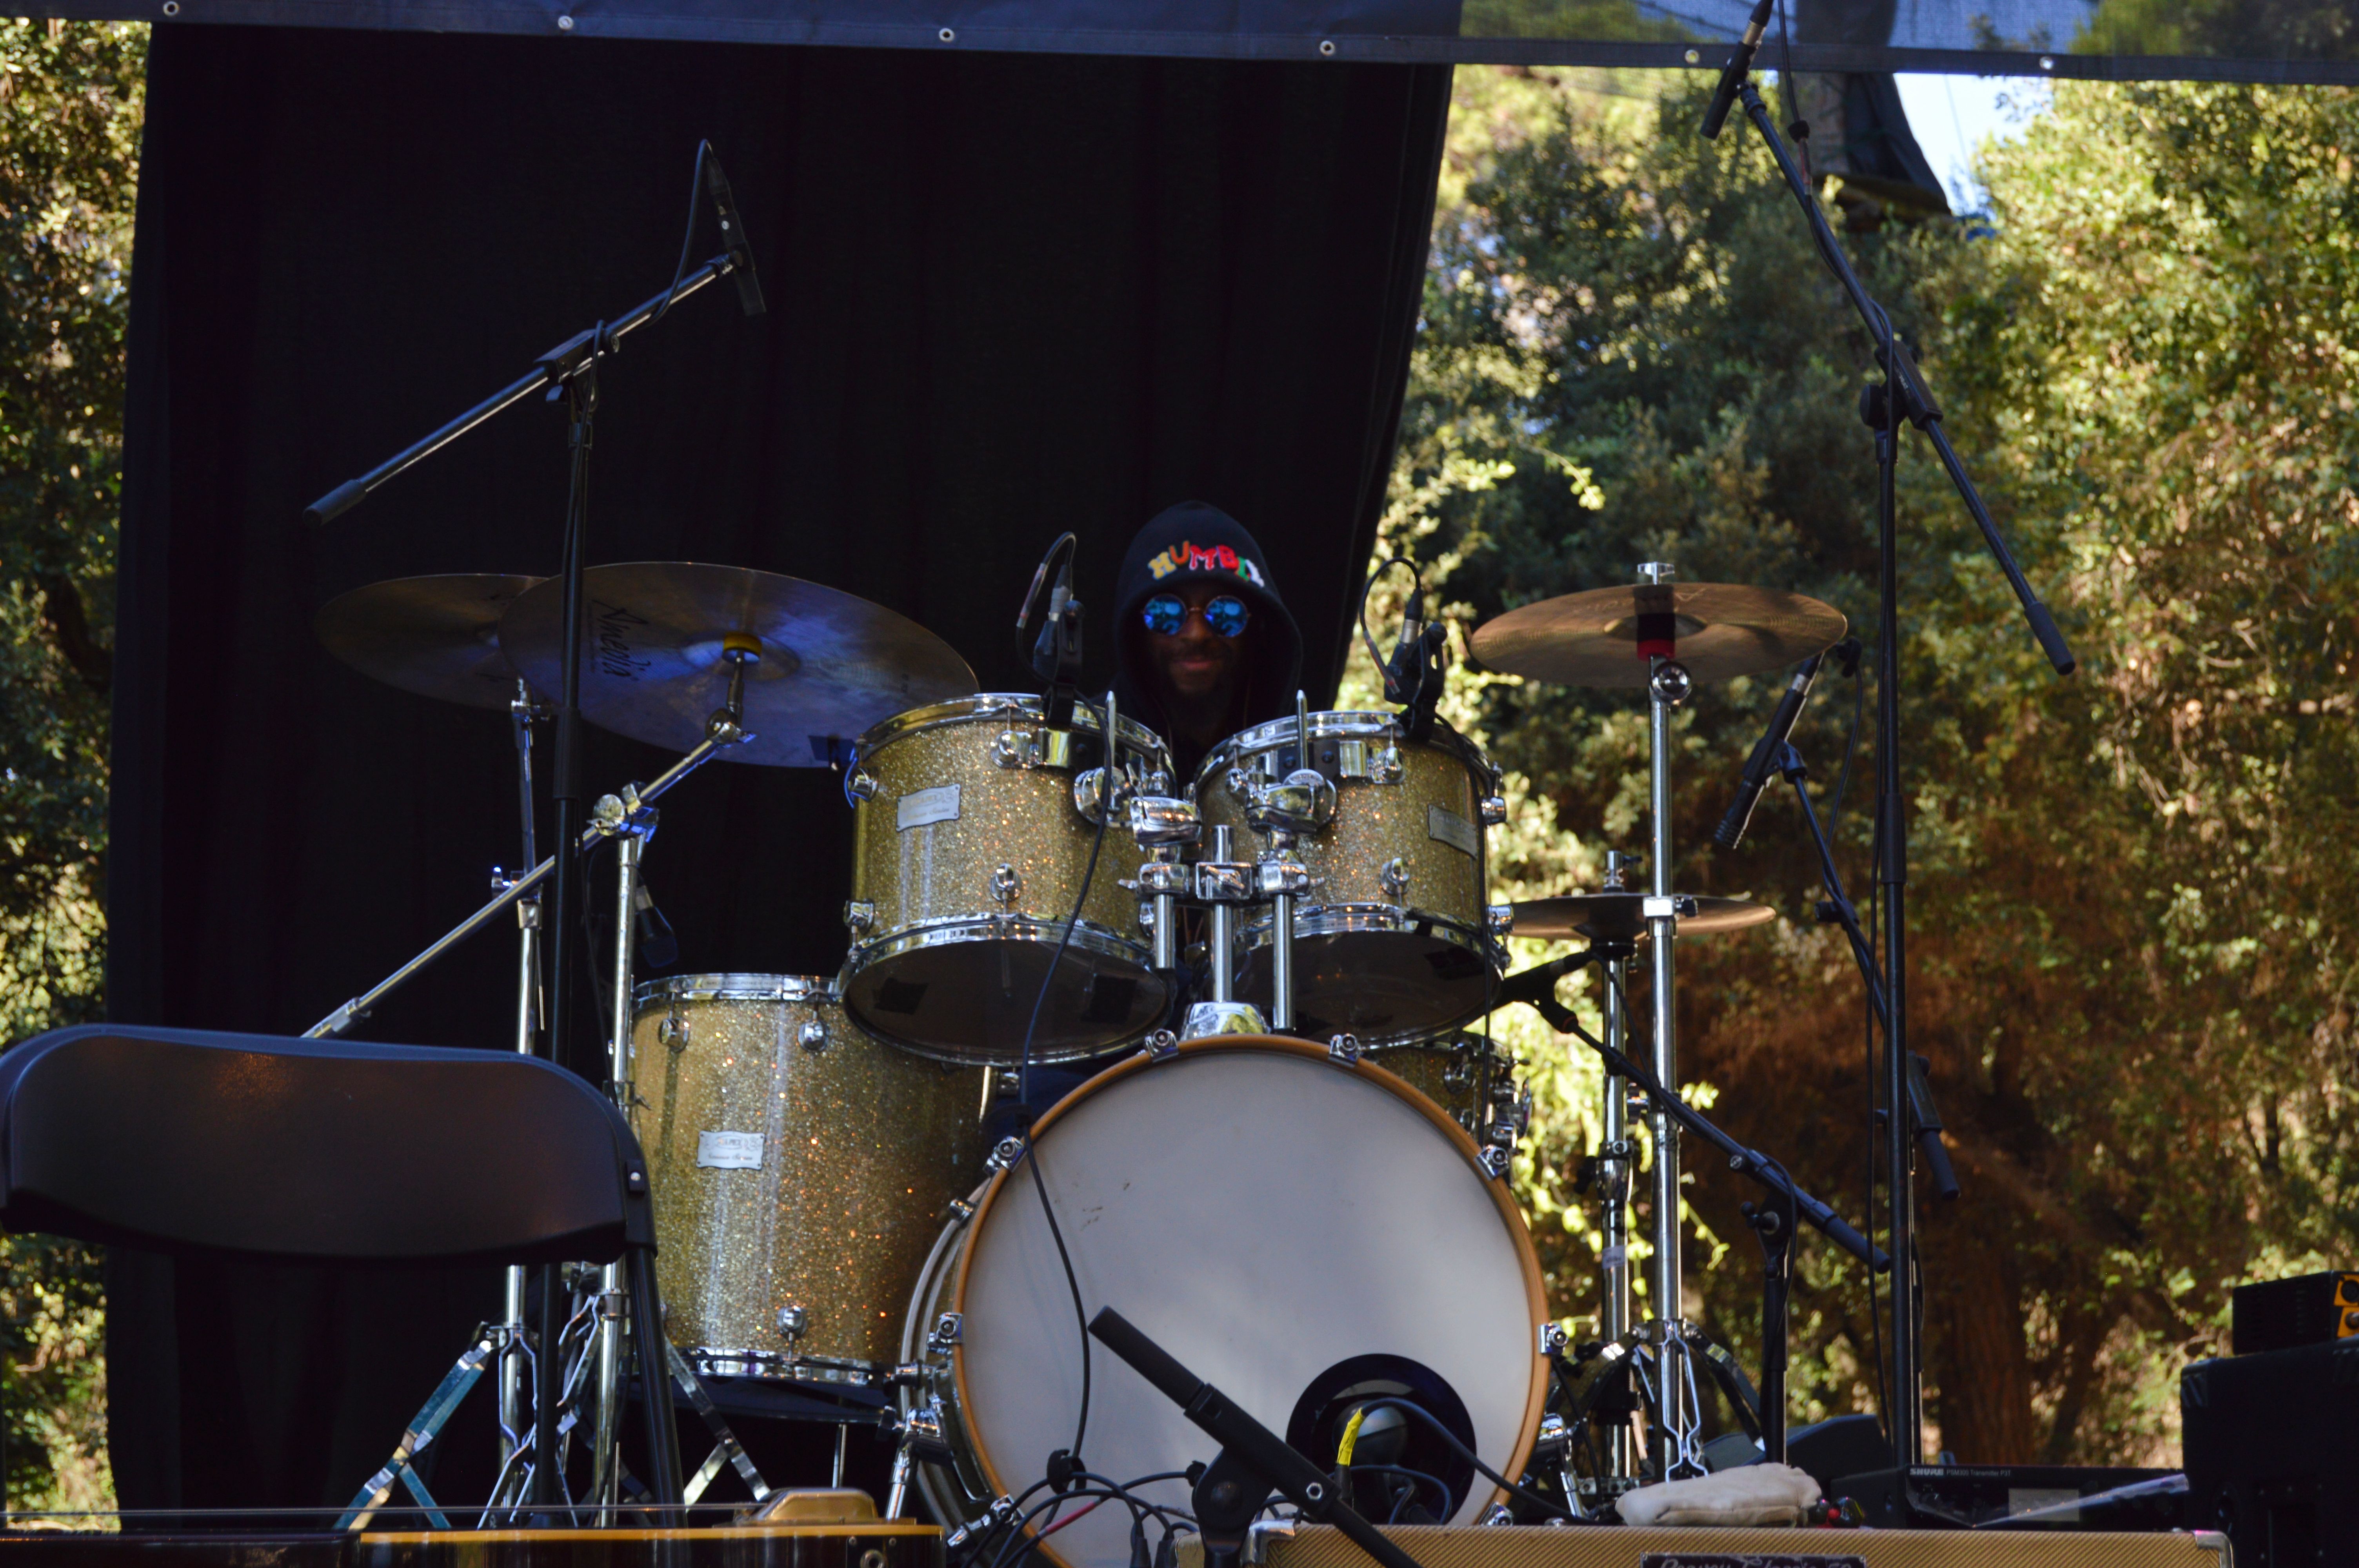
1739,67
1760,767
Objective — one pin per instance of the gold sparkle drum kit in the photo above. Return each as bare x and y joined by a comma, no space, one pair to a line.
1298,1181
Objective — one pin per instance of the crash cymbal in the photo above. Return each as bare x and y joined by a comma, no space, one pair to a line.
438,636
831,664
1580,915
1719,629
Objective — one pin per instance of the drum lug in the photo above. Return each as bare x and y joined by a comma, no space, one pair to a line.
1162,1046
859,914
1005,1154
1343,1050
1498,1516
671,1030
1092,790
947,1332
958,1211
1552,1339
1495,1161
1385,767
812,1037
1500,918
1494,810
1006,884
794,1321
860,783
1393,878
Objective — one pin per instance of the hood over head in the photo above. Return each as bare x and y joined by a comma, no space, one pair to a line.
1193,542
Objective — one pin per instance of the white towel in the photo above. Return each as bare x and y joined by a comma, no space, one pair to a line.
1750,1494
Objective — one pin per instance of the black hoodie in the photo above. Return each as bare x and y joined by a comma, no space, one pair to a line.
1194,543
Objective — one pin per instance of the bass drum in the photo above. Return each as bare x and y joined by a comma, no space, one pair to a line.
1302,1230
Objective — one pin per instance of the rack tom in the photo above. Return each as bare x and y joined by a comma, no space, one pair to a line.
799,1168
1396,941
971,851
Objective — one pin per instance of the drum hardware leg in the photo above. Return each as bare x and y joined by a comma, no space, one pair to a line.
1224,884
726,1449
605,1446
1774,1224
422,1431
522,711
631,838
843,1453
1223,941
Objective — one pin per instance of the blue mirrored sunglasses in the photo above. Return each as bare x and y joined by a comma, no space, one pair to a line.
1166,614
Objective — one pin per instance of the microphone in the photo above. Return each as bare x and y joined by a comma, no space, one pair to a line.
658,947
1763,763
1408,652
1739,67
1045,648
732,237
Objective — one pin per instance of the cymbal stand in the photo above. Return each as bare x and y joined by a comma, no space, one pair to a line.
521,713
1675,1442
1616,1156
612,1303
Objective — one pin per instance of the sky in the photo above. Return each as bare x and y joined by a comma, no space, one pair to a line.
1952,114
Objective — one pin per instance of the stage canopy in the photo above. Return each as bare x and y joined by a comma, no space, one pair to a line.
2244,41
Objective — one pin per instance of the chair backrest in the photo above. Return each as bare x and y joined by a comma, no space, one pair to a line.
181,1140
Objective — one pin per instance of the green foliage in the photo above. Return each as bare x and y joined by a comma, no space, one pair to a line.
70,98
2129,963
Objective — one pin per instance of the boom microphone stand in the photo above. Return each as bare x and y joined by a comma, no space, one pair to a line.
1901,396
567,372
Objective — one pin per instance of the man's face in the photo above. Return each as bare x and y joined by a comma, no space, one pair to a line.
1196,663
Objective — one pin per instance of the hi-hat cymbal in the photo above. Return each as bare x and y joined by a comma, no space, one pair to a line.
831,665
438,636
1720,630
1619,914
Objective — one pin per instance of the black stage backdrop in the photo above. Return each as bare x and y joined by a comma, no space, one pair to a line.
1010,295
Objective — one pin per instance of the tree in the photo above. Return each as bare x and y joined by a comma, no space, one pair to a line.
71,97
2128,964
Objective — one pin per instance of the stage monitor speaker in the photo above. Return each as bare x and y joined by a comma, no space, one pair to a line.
2271,1454
1524,1546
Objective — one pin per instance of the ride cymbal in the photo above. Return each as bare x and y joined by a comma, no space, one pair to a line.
831,665
1716,630
1618,914
438,636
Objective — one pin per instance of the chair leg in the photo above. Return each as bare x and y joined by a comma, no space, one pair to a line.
655,1380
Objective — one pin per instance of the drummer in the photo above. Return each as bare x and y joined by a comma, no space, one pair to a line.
1204,648
1205,645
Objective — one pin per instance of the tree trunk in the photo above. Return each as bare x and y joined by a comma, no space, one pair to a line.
1973,1318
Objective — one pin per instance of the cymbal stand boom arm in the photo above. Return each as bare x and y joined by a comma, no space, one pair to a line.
641,798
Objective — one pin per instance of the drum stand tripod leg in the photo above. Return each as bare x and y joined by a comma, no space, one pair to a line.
1614,1166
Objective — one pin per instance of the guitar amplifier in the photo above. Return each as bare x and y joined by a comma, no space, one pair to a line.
2277,1315
1696,1546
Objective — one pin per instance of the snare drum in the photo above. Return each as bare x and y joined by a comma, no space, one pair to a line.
1396,941
971,851
1298,1229
799,1171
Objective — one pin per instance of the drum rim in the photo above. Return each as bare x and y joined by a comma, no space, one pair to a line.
1502,1199
1343,723
1000,704
734,985
1088,936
